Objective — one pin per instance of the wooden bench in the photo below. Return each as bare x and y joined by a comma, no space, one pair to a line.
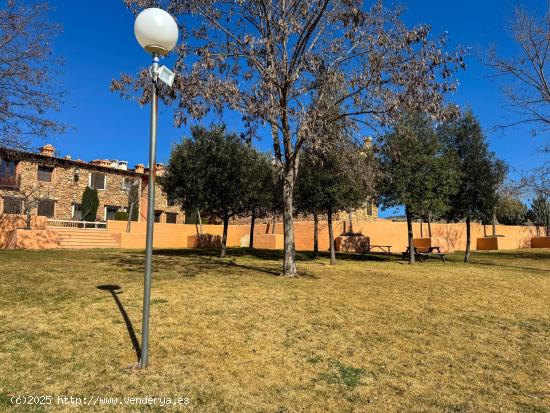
423,253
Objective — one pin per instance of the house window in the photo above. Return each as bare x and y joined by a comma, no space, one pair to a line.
46,208
8,173
13,205
97,180
110,212
45,173
171,218
158,215
77,212
127,184
7,168
369,208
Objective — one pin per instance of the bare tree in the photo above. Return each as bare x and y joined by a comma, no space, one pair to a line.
133,202
28,84
526,74
269,59
28,199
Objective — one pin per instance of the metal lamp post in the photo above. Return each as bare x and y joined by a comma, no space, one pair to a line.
157,32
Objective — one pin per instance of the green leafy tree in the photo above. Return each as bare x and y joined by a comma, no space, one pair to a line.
210,172
263,190
268,60
511,211
338,178
90,204
417,171
539,213
482,173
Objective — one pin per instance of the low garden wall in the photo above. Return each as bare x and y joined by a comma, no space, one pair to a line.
10,223
449,237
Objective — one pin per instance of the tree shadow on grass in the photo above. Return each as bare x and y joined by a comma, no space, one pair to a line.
190,262
193,262
114,290
505,259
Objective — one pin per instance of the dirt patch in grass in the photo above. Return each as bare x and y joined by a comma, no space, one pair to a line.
361,336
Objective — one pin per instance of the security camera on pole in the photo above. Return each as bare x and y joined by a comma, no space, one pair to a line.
157,32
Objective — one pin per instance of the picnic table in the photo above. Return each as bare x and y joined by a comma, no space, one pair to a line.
384,249
423,253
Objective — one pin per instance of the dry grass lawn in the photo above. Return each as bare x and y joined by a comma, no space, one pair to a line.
362,336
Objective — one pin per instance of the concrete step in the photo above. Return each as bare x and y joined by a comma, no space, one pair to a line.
86,236
88,247
76,238
87,241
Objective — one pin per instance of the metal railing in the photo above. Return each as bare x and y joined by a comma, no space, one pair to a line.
62,223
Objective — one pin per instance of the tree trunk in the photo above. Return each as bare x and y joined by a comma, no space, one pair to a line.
315,235
224,237
429,224
350,222
252,222
421,228
494,224
331,238
201,238
468,239
29,219
273,225
410,236
130,212
289,264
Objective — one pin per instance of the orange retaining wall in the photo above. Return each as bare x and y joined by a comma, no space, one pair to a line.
449,237
9,223
172,235
31,239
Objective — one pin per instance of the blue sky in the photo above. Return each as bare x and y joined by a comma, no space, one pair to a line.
97,44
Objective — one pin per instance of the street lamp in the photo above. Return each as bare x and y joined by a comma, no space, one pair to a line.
157,32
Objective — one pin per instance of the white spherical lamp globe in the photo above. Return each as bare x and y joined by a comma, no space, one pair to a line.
156,31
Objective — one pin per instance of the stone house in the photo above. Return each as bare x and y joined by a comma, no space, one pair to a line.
53,186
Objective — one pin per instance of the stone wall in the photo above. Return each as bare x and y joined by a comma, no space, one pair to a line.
161,203
360,214
66,190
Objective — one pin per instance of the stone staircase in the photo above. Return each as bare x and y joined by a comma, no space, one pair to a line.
76,238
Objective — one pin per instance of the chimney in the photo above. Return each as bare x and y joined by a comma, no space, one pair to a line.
139,168
101,162
47,150
367,142
160,169
123,165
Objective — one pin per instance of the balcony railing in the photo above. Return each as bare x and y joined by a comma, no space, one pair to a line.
61,223
10,181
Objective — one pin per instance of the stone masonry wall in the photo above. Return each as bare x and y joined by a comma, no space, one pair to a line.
161,203
66,191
